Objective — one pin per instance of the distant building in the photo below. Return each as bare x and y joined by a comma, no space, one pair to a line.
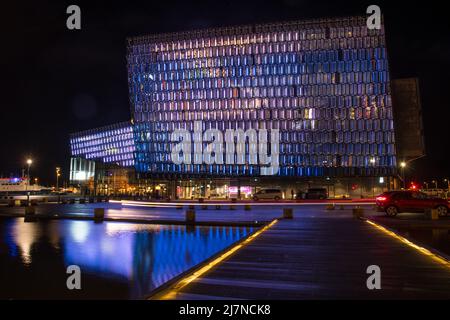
408,119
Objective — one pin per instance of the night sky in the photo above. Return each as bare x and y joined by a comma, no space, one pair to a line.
59,81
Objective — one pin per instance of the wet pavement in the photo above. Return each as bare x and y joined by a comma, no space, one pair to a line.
257,212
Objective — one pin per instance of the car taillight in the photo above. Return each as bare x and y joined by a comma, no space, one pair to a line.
381,198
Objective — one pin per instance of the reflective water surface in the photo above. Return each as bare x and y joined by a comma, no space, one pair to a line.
117,260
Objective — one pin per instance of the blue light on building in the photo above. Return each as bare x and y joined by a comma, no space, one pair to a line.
323,84
109,144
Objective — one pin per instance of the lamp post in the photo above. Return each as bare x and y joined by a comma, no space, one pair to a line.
58,174
372,162
29,162
435,184
447,194
402,166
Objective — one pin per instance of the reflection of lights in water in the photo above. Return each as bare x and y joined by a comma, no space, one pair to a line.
113,228
171,292
102,251
53,234
24,235
148,255
79,230
107,247
138,255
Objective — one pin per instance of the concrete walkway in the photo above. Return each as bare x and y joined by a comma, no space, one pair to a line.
224,215
322,258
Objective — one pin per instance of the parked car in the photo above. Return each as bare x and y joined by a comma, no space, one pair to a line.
394,202
268,194
317,193
313,193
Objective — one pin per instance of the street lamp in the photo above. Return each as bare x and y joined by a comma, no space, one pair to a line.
402,166
58,174
435,184
29,162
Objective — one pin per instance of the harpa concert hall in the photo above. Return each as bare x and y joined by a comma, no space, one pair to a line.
220,113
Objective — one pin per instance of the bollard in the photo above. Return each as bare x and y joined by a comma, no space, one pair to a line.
341,207
30,214
190,216
217,207
99,214
30,211
432,214
179,206
288,213
191,207
72,201
82,201
247,207
358,212
330,206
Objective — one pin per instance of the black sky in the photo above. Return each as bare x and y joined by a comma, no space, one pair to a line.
58,81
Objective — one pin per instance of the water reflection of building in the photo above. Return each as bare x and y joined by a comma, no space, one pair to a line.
26,235
323,83
141,256
158,257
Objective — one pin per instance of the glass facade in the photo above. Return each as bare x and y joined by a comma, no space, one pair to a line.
324,84
81,170
110,144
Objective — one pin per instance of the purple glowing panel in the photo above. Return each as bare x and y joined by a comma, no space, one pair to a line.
110,144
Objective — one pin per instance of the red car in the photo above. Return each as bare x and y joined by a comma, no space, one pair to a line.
393,202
